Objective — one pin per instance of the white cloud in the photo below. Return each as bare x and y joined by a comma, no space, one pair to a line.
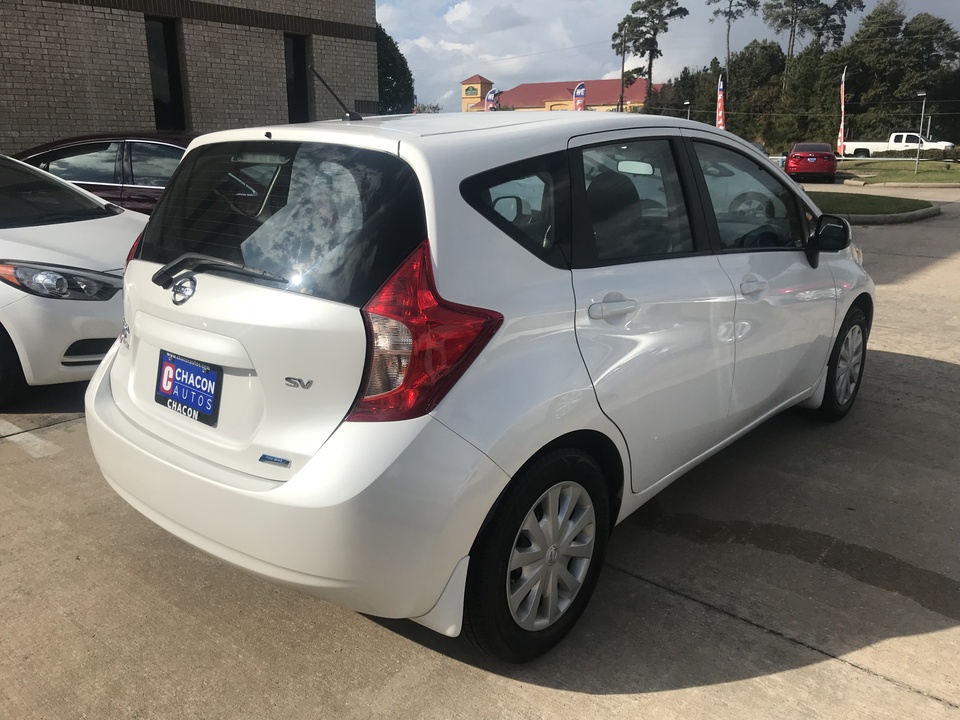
458,14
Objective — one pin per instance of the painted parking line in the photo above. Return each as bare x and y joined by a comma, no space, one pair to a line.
28,442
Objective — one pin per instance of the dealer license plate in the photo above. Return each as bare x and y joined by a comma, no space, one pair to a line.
189,387
812,159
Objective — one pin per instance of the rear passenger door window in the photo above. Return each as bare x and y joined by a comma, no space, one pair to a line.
753,209
152,164
88,163
634,201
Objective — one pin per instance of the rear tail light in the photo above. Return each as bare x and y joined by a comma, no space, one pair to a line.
418,343
133,250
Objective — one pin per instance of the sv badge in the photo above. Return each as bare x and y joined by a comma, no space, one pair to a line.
298,382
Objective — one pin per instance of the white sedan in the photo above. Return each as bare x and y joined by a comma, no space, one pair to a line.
429,364
62,252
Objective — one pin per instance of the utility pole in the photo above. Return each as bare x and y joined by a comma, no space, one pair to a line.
623,64
923,94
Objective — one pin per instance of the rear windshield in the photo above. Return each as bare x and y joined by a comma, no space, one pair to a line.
332,221
29,197
813,147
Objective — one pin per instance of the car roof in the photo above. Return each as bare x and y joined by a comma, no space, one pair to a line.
471,126
468,142
173,138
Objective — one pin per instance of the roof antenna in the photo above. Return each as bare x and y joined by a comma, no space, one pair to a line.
347,113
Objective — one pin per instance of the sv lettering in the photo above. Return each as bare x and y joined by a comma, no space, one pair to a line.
298,382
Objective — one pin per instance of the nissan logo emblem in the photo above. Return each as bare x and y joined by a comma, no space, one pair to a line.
184,289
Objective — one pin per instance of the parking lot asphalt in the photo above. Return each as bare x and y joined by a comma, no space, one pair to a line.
808,571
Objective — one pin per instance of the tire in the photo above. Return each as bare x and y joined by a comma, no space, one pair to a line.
845,369
11,372
861,153
513,614
751,204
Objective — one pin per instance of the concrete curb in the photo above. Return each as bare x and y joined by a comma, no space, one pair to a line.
918,185
861,183
893,218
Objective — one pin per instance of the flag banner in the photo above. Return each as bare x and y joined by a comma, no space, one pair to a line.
492,101
841,146
579,96
721,115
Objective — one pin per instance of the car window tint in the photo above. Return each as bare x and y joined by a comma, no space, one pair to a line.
152,163
634,200
332,221
522,199
91,162
29,197
753,208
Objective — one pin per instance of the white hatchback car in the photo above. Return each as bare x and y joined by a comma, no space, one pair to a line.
425,367
61,257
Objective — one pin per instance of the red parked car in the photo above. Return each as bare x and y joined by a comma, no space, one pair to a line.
128,169
815,161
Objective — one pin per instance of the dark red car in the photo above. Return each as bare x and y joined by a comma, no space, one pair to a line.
127,169
811,160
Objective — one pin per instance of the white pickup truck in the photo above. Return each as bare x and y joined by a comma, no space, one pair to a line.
898,141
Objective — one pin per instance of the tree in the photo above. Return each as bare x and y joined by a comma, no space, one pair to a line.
829,22
427,108
393,75
794,17
890,60
731,11
640,32
797,18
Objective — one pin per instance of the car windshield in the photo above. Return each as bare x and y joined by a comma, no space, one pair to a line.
813,147
29,197
331,221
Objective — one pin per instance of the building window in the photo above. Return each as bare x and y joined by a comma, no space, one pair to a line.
163,50
298,101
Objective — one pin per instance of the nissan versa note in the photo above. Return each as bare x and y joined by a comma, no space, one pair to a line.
429,363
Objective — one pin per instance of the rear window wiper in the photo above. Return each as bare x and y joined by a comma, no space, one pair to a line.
165,276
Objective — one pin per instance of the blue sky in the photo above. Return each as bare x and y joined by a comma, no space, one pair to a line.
548,40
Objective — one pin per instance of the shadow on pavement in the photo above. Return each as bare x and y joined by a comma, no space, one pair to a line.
801,542
48,399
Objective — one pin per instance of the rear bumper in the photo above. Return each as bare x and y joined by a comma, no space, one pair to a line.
42,329
377,521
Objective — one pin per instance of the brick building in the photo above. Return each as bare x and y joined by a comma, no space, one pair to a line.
73,67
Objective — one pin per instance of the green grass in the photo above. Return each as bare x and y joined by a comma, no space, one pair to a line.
857,204
881,171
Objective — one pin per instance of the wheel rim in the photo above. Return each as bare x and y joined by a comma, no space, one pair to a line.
849,363
550,556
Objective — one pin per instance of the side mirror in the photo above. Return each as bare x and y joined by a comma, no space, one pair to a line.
832,234
509,207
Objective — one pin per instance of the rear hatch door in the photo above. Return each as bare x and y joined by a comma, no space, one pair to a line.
246,344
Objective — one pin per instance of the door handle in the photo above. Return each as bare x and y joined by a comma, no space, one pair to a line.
752,287
615,308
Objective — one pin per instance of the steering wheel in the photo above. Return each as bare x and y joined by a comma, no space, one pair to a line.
752,204
761,237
